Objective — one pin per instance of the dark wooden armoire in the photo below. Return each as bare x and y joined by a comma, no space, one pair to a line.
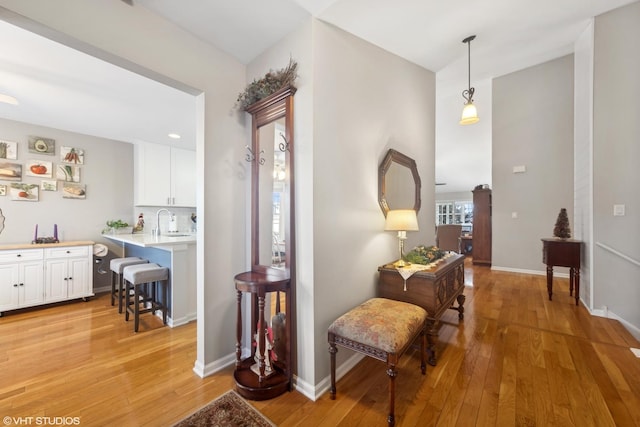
481,251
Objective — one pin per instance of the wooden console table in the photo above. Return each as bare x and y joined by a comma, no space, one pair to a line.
435,290
562,253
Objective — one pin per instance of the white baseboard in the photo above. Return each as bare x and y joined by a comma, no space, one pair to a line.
604,312
211,368
323,386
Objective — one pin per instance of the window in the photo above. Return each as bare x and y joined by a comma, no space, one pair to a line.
454,212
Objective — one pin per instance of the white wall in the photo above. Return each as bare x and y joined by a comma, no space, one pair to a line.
616,176
107,173
532,127
147,43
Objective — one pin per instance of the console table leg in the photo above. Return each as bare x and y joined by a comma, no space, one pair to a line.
576,273
432,338
549,280
461,299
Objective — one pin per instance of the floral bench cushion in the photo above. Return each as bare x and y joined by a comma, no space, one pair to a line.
381,323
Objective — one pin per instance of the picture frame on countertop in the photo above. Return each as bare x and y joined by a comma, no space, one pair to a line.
39,169
3,190
24,192
49,185
74,191
72,155
68,173
40,145
11,171
8,150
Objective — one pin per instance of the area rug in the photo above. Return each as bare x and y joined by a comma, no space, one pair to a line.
228,410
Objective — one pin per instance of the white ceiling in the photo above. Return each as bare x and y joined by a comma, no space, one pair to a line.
54,87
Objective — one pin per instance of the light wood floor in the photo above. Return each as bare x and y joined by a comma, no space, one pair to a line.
516,360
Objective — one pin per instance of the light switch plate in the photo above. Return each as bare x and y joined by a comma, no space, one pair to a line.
618,210
519,169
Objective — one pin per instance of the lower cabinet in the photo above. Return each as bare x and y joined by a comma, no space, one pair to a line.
21,279
30,277
67,273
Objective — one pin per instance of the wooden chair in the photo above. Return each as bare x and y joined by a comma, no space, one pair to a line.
383,329
448,237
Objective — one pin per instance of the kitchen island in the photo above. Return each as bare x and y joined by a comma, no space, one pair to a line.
177,251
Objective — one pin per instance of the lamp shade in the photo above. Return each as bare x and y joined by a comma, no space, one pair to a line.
401,220
469,114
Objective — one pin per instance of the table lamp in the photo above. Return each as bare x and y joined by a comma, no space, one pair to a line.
401,220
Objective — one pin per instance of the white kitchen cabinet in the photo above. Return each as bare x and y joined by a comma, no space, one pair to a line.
21,279
53,272
164,176
67,273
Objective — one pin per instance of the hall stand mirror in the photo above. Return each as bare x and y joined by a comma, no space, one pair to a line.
270,284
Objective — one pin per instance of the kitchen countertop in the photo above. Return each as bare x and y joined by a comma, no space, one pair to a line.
148,240
46,245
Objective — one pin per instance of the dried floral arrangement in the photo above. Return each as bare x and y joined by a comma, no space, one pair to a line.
424,254
272,82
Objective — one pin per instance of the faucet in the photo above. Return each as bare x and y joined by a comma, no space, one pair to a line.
156,231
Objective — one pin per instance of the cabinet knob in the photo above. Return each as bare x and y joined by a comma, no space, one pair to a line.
68,252
21,284
19,255
70,278
15,285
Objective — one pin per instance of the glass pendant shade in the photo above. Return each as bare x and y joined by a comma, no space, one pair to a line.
469,114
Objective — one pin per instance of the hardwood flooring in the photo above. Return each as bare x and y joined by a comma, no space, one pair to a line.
517,359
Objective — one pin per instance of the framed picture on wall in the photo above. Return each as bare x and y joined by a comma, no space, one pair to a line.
3,190
39,168
49,185
72,155
68,173
74,191
11,171
40,145
8,150
23,192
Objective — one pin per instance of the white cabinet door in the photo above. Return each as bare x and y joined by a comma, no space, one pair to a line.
31,289
78,274
55,280
8,287
164,176
67,273
183,177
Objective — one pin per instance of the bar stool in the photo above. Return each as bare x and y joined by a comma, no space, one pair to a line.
144,280
117,286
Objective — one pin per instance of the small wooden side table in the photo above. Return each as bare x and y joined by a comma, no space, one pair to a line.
563,253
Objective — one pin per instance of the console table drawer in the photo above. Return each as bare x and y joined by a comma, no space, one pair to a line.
67,252
21,255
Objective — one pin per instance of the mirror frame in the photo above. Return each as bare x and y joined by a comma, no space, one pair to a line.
274,107
391,157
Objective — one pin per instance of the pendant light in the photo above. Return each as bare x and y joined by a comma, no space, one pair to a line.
469,113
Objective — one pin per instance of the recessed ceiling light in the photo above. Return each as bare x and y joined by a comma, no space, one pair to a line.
8,99
174,136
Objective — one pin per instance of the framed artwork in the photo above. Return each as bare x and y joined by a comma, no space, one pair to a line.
11,171
72,155
49,185
40,145
74,191
68,173
8,150
24,192
39,168
3,190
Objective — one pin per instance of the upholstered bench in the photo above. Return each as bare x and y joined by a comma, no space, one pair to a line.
383,329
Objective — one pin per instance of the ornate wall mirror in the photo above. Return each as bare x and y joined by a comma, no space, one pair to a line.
399,183
271,155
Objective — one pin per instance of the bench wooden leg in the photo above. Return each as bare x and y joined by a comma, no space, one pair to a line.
332,351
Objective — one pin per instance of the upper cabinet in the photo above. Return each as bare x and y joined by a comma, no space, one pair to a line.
164,176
